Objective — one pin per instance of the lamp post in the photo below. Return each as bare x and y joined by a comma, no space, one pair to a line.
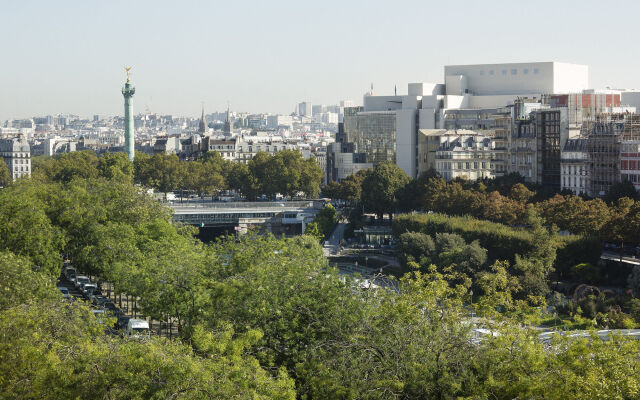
193,299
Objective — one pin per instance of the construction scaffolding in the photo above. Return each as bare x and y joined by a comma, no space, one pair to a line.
604,133
631,127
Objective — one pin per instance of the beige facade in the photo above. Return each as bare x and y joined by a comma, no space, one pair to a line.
471,157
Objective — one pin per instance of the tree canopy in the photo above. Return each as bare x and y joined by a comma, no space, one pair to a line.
267,317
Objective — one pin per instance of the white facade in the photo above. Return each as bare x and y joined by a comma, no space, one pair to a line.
516,78
17,155
574,167
275,121
466,156
246,148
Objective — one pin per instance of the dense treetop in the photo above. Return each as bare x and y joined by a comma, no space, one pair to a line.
267,317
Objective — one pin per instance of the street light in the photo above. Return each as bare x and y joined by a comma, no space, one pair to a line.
193,299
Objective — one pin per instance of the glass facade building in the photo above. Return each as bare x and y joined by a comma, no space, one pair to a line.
372,133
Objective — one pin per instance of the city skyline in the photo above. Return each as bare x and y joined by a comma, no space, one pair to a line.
69,58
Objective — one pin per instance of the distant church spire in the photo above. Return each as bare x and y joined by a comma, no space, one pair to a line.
228,124
202,127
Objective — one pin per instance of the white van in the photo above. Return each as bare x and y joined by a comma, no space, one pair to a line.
138,328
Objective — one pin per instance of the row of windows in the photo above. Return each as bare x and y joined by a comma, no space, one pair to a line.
460,165
521,159
514,71
633,178
22,169
630,165
222,217
567,181
573,170
630,148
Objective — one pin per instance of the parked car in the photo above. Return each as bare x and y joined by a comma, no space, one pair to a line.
122,322
99,300
111,307
69,271
64,291
611,246
88,286
92,294
138,328
80,280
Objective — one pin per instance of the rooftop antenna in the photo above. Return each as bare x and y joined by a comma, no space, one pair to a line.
395,90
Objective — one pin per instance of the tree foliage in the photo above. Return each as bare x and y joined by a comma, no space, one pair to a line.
381,186
5,175
267,317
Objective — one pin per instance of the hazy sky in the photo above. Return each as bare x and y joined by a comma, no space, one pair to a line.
266,56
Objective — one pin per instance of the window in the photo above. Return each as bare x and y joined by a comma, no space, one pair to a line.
514,71
481,72
504,72
525,71
535,70
490,72
467,166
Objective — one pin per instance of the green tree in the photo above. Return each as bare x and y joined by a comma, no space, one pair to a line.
326,220
65,167
58,350
332,190
310,178
618,228
416,247
351,187
313,229
521,193
265,174
5,175
26,230
620,190
116,167
586,272
574,214
22,284
163,172
381,186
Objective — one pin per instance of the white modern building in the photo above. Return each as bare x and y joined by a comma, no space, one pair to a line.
467,86
279,121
